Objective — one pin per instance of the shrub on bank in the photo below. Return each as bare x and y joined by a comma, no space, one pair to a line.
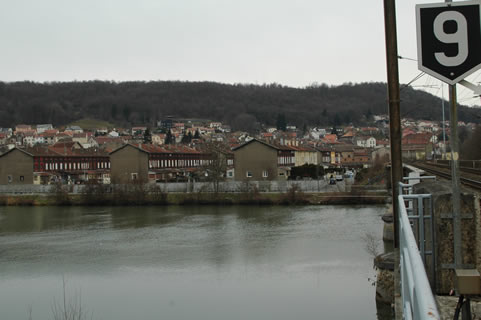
59,194
157,196
250,195
294,196
94,193
129,194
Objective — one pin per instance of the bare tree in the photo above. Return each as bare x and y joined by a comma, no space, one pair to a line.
371,244
217,164
69,308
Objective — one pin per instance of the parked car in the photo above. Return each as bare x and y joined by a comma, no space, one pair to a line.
348,174
339,177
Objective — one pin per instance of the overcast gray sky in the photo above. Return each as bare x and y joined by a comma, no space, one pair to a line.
293,43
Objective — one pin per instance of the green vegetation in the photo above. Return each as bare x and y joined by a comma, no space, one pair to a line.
378,174
91,124
471,148
294,196
307,171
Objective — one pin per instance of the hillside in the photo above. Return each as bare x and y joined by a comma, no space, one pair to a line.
240,105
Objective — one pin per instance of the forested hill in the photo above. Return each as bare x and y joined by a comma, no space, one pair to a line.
240,105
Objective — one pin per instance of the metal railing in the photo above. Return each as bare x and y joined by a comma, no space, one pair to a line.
418,300
409,187
419,208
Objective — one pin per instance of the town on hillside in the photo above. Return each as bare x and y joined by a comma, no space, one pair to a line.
180,150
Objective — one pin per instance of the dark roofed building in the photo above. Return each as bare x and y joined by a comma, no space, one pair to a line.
146,162
257,160
16,167
68,163
129,163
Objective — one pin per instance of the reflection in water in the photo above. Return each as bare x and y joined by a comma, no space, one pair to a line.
204,262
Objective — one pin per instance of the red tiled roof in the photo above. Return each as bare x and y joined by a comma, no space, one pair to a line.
330,138
23,127
105,139
408,131
416,139
167,149
41,151
80,135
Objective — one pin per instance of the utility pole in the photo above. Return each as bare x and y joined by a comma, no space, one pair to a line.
455,183
394,108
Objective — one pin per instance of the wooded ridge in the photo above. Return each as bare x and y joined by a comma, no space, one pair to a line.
242,106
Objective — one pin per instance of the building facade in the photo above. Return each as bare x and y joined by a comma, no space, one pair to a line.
256,160
16,167
128,164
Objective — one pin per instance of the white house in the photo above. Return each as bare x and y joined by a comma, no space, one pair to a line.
28,140
41,128
39,139
74,129
215,125
369,142
318,133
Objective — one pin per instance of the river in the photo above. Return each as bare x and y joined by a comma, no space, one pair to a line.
181,262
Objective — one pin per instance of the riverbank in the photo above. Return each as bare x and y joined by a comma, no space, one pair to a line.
292,197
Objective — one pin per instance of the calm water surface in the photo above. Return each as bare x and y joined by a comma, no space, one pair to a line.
234,262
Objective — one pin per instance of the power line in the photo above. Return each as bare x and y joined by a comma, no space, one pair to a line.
404,58
415,79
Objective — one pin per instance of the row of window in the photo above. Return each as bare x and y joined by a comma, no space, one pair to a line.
265,174
76,166
285,160
10,178
177,163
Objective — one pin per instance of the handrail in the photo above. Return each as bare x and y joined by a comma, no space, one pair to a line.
420,178
418,300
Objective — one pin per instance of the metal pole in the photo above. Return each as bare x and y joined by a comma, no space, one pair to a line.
454,142
394,108
422,240
444,129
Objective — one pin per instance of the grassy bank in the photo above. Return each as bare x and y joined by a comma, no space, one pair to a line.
292,197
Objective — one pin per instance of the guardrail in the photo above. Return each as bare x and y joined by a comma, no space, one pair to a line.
418,300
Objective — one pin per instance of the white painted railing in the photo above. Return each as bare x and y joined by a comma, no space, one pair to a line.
418,300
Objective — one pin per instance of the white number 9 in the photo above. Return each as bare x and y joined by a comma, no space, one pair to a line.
460,37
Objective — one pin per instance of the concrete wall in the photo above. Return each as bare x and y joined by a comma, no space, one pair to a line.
18,165
35,189
256,158
128,161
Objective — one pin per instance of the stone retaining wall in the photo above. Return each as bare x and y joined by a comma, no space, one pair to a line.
443,228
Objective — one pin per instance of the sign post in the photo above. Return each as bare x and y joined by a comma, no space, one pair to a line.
449,49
